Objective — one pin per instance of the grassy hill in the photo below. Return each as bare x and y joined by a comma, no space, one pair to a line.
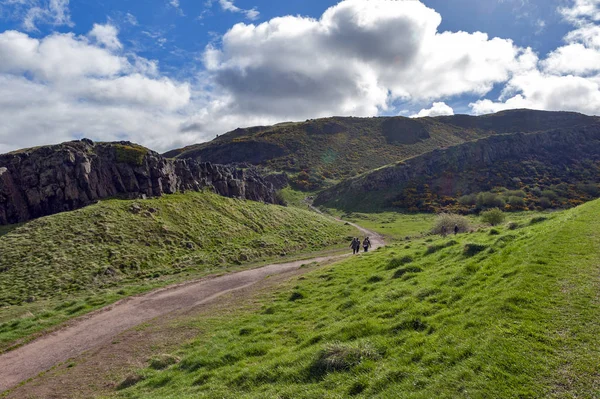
499,313
336,148
552,169
67,264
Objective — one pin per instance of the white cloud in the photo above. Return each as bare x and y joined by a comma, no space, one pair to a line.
63,86
574,58
175,4
581,10
354,60
437,109
35,12
131,19
107,36
567,79
228,5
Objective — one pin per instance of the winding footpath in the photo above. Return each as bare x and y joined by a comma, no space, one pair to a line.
102,326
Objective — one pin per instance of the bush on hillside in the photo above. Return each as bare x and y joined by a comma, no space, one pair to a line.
468,200
493,216
449,220
489,200
545,203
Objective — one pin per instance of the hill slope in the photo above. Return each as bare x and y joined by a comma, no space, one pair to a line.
337,147
116,241
563,163
512,314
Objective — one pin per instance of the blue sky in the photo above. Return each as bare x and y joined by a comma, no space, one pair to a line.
167,73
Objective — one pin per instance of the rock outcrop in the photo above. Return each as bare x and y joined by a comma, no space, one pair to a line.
514,161
47,180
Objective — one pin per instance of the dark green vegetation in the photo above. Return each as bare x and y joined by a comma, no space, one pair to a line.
552,169
131,154
506,315
336,148
67,264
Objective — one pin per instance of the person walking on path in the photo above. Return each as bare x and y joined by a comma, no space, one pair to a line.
455,229
444,230
366,244
355,245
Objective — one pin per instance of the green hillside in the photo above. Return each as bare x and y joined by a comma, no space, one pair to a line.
551,169
67,264
499,313
339,147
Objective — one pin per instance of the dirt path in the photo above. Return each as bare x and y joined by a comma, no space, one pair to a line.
99,328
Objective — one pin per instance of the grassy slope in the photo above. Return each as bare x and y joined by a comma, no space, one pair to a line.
395,226
73,262
341,147
517,320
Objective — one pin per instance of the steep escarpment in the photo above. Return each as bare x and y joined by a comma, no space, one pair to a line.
47,180
340,147
566,158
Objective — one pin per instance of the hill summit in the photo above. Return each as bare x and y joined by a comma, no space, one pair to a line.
339,147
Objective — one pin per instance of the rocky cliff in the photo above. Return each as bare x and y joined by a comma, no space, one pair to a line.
513,161
47,180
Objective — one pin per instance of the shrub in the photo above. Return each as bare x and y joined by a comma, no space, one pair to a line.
551,195
468,200
545,203
489,200
450,220
590,189
493,216
516,202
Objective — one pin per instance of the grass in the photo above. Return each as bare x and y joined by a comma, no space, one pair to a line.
66,265
393,225
518,319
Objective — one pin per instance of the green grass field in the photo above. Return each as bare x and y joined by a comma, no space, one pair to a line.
498,313
65,265
395,226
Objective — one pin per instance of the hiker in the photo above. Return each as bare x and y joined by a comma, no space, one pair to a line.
444,231
367,244
355,245
455,229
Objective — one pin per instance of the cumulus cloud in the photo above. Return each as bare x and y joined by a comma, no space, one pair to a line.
355,60
567,78
437,109
64,86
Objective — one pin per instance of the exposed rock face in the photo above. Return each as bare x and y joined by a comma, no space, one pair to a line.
48,180
513,160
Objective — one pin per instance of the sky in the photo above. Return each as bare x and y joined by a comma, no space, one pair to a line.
170,73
